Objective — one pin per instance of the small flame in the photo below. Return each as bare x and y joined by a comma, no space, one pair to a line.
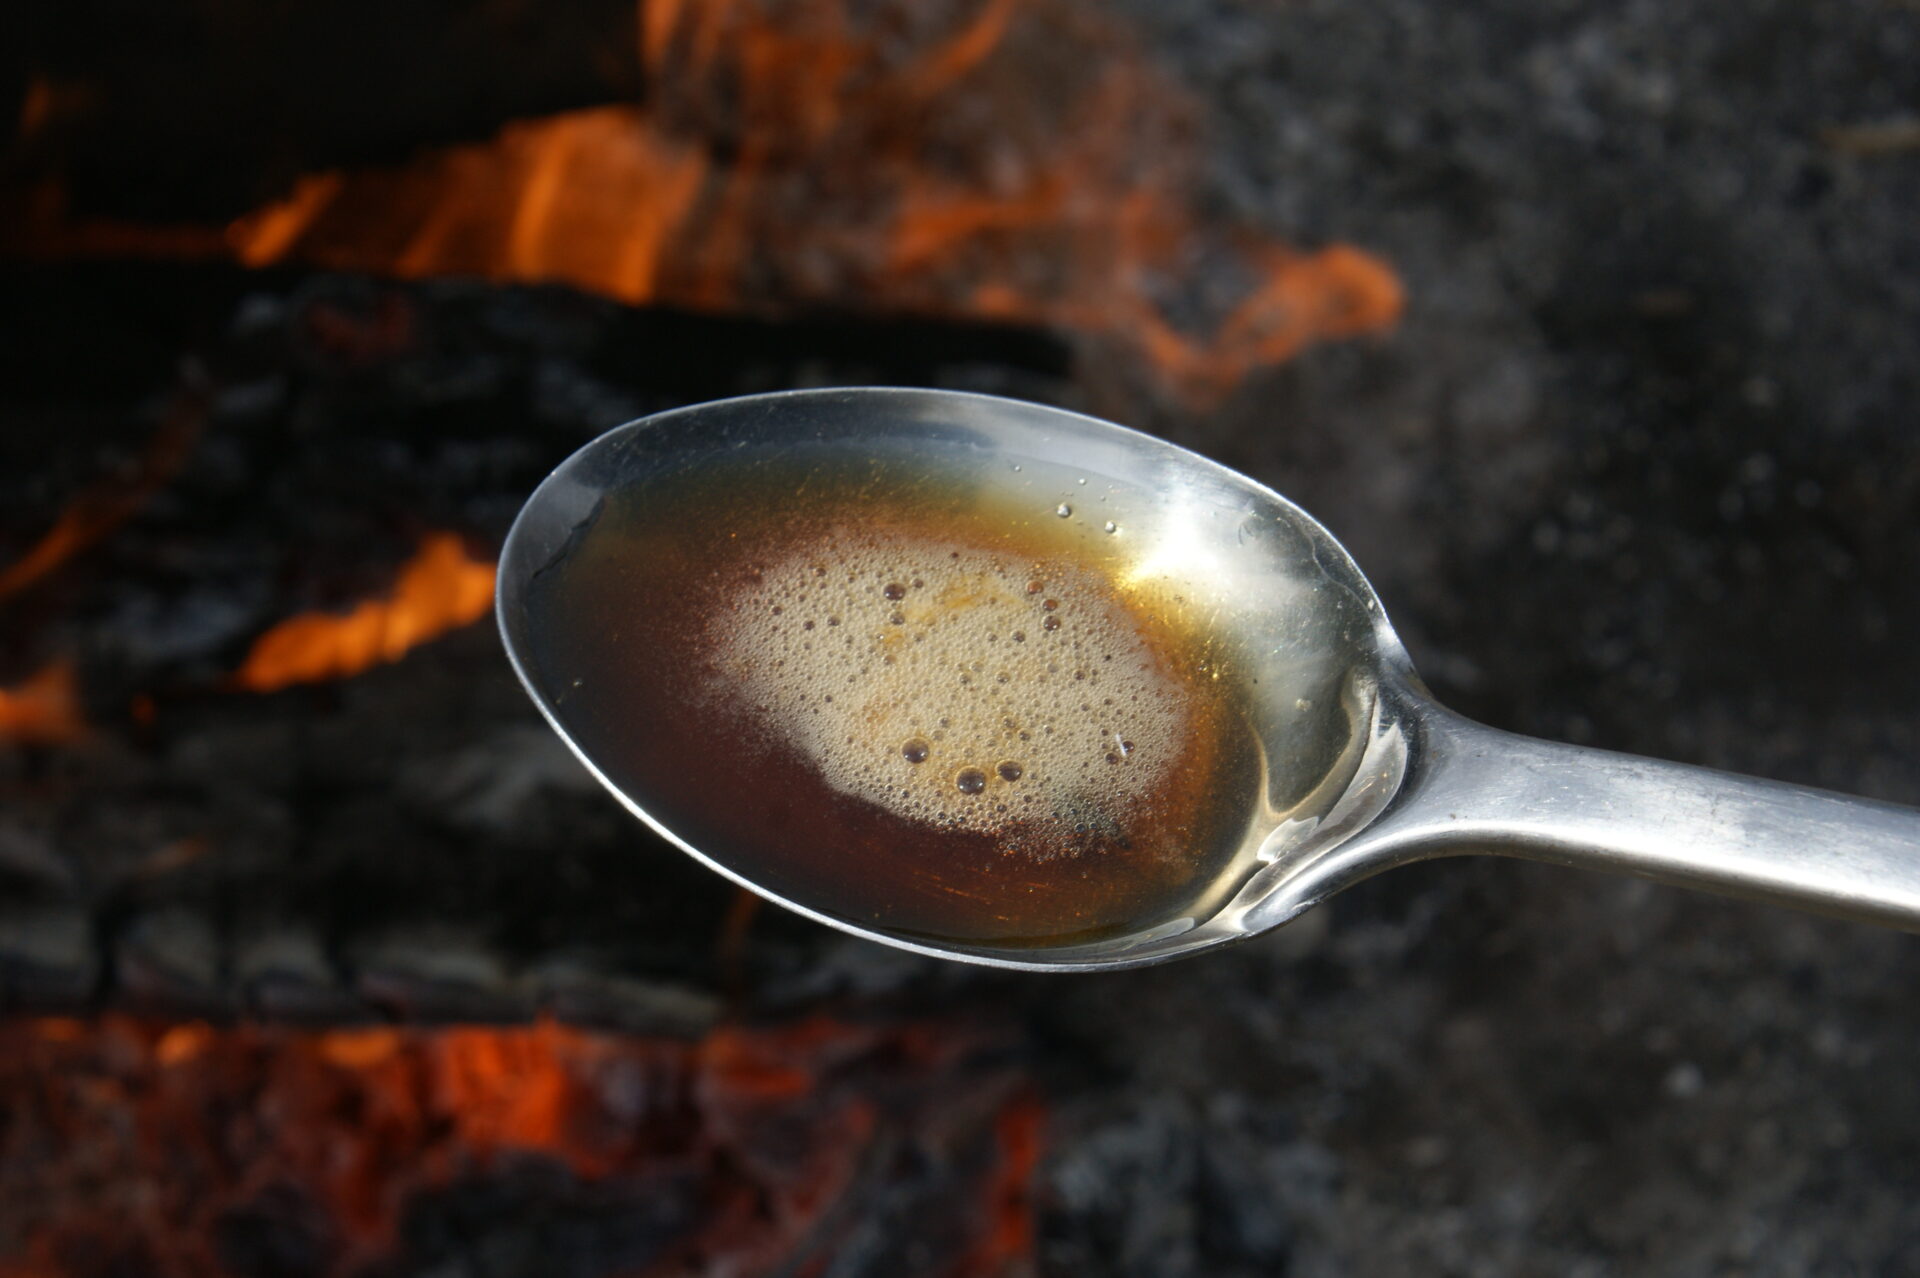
102,508
439,590
275,229
48,102
44,709
36,107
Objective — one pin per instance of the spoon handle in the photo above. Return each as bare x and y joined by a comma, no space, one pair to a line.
1477,789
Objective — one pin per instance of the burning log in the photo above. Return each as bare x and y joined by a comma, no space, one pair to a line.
791,160
311,791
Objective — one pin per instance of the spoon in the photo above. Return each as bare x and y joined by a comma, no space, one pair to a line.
1360,769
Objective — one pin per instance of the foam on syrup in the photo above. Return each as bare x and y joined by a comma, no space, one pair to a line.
962,688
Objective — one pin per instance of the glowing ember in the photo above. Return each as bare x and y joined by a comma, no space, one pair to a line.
44,709
193,1150
1019,161
439,590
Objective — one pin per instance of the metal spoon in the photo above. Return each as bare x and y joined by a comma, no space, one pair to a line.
1364,770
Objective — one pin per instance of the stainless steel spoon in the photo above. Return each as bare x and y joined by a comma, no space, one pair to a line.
1364,771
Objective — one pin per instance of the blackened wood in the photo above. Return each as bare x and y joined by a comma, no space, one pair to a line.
196,112
409,843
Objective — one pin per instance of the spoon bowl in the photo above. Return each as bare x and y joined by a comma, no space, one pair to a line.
1351,768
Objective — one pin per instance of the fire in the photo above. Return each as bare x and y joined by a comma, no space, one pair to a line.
170,1150
1021,161
440,589
44,709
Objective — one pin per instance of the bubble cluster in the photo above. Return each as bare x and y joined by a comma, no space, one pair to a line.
964,688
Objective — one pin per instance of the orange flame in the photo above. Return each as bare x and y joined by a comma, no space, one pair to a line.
99,510
1021,164
45,709
440,589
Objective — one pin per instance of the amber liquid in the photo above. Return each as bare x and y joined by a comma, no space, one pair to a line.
901,704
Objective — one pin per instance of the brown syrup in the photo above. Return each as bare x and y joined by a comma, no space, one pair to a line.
899,705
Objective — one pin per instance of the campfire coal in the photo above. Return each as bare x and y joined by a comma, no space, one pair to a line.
318,953
259,1151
